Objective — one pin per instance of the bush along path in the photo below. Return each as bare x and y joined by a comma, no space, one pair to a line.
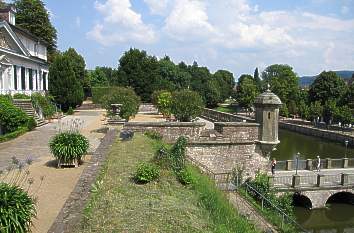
146,186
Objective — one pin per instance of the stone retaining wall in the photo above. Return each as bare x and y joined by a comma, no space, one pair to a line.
238,131
170,131
224,156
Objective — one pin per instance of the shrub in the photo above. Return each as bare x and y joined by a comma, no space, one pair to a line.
125,96
153,135
178,154
12,135
185,177
17,209
69,146
11,117
164,103
43,103
146,173
70,111
31,124
98,93
186,105
21,96
155,96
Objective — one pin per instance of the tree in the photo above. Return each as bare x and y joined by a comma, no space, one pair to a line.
212,93
64,86
164,103
330,110
328,86
316,110
98,78
283,81
257,79
139,71
226,83
32,16
344,115
78,63
303,110
246,91
186,105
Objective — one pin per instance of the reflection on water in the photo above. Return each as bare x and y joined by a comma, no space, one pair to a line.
337,218
309,147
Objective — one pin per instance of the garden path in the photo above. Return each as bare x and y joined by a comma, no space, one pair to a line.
58,183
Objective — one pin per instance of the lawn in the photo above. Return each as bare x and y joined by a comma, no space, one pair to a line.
227,109
118,204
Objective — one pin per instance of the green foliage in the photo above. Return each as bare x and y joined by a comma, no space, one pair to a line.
330,110
17,209
78,63
186,105
304,110
11,117
68,147
185,176
153,135
43,102
98,77
316,110
257,79
70,111
64,86
283,81
125,96
21,96
31,124
344,115
226,83
155,96
14,134
328,86
146,173
178,154
284,111
246,91
164,103
98,93
32,16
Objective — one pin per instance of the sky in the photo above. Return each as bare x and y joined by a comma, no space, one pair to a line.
236,35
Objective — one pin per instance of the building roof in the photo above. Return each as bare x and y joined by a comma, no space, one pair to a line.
27,33
267,98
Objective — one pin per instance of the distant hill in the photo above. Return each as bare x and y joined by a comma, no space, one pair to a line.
306,81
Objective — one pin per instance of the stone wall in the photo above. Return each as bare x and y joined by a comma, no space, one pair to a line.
223,156
321,133
238,131
170,131
216,116
319,198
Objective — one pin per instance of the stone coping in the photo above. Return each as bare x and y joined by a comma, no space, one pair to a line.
219,142
165,124
314,188
236,124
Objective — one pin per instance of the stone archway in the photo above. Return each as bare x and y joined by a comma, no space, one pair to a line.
302,200
341,197
319,198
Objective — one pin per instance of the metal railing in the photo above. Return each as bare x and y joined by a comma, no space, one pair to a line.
264,201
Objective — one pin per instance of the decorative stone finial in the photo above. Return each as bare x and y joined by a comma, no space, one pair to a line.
268,87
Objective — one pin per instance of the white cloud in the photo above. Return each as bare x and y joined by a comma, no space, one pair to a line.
188,20
157,7
120,24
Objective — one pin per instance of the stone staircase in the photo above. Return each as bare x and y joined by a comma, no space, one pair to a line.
26,106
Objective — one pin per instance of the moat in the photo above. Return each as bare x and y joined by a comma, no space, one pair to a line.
336,217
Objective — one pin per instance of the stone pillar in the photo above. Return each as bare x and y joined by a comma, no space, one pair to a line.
308,164
328,163
296,181
344,179
345,163
271,181
320,180
289,165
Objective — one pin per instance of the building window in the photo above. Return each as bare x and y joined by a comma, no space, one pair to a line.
15,77
45,81
23,78
36,78
30,78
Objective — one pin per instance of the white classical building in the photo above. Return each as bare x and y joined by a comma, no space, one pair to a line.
23,57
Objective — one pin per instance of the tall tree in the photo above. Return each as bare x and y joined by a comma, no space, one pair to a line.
78,63
246,91
328,86
226,82
140,71
257,79
64,86
32,16
283,81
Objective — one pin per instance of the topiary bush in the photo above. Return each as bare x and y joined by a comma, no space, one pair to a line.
146,173
31,124
11,117
17,209
186,105
68,147
125,96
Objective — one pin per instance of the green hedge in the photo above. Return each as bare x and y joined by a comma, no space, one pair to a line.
11,117
99,92
15,134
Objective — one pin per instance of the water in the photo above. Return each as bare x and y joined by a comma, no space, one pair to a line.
336,217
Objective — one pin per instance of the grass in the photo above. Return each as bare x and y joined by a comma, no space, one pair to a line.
269,214
12,135
228,109
118,204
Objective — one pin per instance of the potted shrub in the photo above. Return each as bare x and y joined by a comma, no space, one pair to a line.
69,148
